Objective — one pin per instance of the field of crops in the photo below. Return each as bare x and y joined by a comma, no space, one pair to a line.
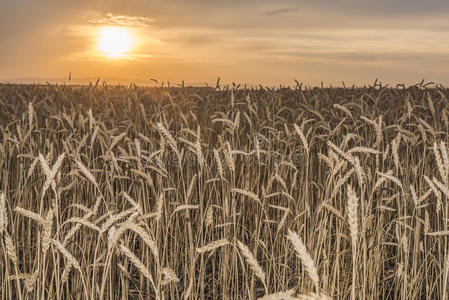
112,192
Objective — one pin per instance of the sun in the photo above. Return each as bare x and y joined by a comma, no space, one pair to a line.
115,41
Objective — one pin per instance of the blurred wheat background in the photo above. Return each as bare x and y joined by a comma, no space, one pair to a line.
113,192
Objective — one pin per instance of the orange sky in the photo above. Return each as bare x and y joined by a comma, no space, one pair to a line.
267,42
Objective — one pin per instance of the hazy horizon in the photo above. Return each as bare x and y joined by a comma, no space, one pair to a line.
111,81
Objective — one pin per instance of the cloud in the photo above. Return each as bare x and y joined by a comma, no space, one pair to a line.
356,58
120,20
280,11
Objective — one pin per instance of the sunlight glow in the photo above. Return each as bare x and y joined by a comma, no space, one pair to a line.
115,41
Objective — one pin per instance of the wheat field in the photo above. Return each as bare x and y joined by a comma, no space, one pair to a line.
127,192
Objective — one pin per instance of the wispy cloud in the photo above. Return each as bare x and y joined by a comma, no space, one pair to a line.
280,11
120,20
360,57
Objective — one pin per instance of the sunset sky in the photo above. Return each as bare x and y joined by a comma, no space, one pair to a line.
266,42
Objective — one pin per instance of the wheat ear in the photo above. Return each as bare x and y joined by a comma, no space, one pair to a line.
170,276
353,227
212,246
138,263
3,215
46,236
71,259
251,260
304,256
11,249
287,295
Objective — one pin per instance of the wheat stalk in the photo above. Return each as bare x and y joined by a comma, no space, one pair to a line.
249,194
343,109
30,114
115,218
435,191
29,214
353,203
170,139
30,281
302,137
82,221
170,276
219,165
133,203
10,249
209,216
3,213
287,295
66,272
46,235
252,261
116,140
146,238
70,258
391,178
304,256
314,296
86,173
212,246
138,263
185,206
352,214
395,150
228,157
91,119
